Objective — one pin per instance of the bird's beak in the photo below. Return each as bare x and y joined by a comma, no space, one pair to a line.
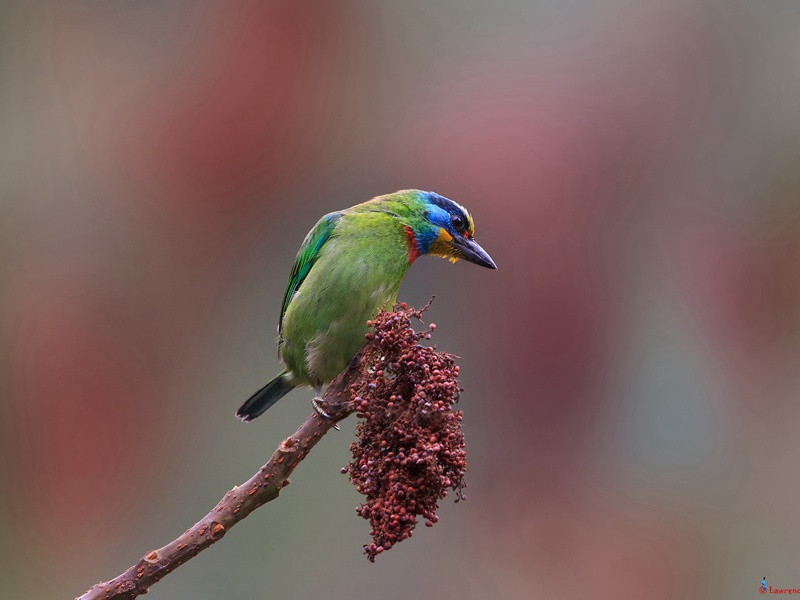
471,251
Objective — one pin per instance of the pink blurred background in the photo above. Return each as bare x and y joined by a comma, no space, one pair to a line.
630,370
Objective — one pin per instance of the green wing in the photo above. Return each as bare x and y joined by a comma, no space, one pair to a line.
307,256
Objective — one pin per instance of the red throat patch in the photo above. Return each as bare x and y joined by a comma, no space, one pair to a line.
413,246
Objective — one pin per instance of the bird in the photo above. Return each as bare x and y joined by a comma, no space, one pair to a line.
349,266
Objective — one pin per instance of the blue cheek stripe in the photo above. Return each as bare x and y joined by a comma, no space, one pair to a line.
438,218
426,237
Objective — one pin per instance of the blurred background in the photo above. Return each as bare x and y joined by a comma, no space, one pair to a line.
631,370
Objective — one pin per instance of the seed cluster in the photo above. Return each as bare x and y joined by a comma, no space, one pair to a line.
410,446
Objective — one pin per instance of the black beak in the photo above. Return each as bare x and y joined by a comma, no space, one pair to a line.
470,250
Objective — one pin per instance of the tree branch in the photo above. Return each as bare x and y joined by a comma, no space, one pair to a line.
237,503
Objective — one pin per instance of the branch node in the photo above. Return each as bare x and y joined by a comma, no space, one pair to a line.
217,530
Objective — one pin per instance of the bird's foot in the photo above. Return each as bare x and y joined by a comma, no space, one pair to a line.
316,404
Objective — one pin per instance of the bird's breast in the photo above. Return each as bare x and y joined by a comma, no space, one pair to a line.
325,322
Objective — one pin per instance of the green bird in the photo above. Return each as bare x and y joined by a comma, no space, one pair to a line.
350,265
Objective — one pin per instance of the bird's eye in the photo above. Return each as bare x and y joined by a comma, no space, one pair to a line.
458,223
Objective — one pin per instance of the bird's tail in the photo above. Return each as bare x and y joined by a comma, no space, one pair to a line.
266,397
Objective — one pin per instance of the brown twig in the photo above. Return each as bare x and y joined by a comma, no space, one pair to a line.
239,502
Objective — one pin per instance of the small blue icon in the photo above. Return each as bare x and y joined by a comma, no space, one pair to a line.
763,584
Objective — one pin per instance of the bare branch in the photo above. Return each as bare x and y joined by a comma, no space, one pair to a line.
239,502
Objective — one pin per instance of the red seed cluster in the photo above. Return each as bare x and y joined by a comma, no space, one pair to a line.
410,447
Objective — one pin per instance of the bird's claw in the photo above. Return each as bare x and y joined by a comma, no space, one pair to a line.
315,403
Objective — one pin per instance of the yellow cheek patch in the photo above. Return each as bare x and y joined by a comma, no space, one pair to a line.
442,246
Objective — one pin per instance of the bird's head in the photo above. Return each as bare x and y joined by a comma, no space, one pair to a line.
445,228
